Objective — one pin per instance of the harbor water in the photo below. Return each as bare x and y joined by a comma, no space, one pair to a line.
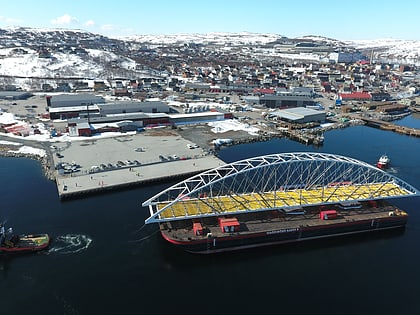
103,260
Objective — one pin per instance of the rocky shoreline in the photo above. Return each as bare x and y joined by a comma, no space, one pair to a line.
8,151
199,134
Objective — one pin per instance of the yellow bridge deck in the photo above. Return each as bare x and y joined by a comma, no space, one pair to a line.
278,199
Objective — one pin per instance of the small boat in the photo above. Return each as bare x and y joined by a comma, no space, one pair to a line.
383,161
14,243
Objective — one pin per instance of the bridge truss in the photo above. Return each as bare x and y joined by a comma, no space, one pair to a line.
283,181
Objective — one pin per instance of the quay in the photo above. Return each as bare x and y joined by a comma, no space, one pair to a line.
385,125
78,185
98,165
303,137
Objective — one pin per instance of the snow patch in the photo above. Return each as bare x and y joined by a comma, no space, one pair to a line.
232,125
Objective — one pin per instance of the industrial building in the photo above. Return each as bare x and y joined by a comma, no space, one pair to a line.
296,97
89,106
200,117
299,115
15,95
71,100
346,57
355,96
135,107
137,121
286,99
67,106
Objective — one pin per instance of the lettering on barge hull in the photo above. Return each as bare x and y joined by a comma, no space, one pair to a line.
283,231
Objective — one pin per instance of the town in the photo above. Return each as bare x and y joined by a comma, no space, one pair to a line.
270,86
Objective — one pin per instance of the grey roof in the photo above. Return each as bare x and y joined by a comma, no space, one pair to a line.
133,106
15,94
64,100
78,108
120,117
296,113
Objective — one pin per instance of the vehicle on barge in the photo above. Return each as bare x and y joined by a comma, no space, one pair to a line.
276,199
21,243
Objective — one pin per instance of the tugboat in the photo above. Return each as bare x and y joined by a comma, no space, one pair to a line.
23,243
383,162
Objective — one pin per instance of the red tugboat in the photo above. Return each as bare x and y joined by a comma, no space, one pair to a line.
383,162
23,243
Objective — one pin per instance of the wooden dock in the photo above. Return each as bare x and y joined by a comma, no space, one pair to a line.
386,125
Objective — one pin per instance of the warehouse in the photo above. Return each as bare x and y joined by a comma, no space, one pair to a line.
299,115
287,99
135,107
14,95
196,118
72,100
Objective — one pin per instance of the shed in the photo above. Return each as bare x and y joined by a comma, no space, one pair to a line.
328,214
78,127
198,228
229,225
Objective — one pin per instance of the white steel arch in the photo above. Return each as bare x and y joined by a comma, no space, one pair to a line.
277,181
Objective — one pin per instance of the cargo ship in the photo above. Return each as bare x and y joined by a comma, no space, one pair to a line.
277,199
21,243
242,231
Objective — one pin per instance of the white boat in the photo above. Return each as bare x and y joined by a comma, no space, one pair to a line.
383,161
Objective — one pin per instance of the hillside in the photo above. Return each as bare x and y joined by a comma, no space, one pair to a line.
48,54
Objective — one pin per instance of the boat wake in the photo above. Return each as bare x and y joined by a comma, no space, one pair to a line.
392,170
70,244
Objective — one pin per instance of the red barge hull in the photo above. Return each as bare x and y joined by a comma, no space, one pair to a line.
296,230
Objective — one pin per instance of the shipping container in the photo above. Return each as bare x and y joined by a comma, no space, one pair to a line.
198,228
328,214
229,225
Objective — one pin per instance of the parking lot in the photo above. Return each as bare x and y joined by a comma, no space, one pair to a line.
101,164
126,151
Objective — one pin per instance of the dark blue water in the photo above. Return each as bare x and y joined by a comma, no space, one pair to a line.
100,263
409,121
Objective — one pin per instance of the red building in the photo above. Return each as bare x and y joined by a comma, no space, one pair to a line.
355,96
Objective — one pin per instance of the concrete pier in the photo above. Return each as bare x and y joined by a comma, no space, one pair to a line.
111,163
71,186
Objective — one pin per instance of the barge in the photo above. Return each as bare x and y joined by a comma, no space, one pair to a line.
242,231
276,199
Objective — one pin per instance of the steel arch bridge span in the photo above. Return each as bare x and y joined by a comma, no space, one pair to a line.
285,181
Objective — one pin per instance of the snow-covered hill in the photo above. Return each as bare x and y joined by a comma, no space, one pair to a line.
243,38
390,49
30,64
60,53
